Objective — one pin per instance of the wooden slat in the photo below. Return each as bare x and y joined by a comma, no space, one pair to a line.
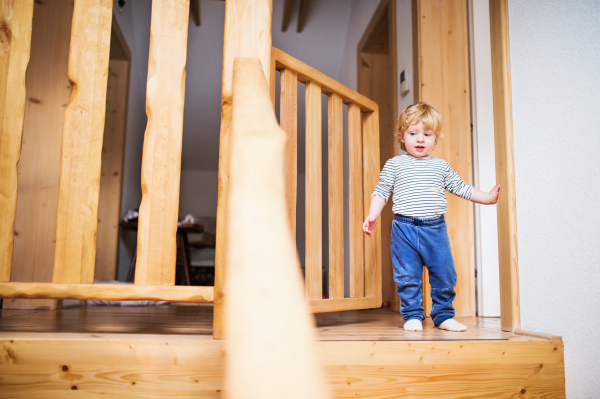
288,115
370,126
355,201
77,219
107,292
263,279
328,85
341,304
15,44
505,167
314,196
161,161
335,173
247,34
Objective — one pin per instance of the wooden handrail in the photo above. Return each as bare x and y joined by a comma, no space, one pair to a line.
268,323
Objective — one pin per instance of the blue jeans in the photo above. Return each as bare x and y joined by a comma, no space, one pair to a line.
417,243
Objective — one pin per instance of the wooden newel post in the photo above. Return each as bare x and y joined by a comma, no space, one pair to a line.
247,34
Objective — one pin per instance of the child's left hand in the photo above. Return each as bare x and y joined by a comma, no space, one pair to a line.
494,192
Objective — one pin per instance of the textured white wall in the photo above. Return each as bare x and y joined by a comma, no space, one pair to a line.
555,58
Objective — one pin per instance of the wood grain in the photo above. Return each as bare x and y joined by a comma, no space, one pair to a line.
161,160
247,34
328,85
314,195
47,90
355,202
15,44
443,76
505,167
335,171
111,176
77,215
108,292
266,354
288,115
370,128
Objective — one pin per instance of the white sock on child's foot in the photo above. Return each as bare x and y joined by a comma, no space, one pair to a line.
452,325
413,325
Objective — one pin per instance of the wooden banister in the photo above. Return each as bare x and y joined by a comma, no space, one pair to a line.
161,161
16,16
267,355
79,189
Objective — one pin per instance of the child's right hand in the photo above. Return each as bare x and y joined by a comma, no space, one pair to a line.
369,225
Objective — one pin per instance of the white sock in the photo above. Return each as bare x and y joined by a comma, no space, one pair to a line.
413,325
452,325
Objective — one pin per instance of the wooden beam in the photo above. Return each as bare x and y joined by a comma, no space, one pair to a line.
288,9
335,171
161,161
505,167
328,85
247,34
288,114
15,44
355,201
107,292
314,197
195,11
303,15
263,280
77,216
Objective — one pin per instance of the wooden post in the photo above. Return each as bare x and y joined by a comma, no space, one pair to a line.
15,43
335,134
314,197
247,34
505,167
77,219
161,160
355,201
288,114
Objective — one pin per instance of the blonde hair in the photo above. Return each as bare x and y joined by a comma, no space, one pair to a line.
423,112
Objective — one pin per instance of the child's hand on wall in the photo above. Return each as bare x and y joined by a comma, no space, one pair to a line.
481,197
494,192
369,225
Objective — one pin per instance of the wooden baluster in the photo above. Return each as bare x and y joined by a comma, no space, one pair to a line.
77,216
335,121
314,221
355,192
370,122
15,43
288,114
161,161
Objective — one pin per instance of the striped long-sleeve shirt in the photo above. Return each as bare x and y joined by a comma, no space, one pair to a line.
419,186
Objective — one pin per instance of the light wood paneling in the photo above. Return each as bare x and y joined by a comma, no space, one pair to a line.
247,34
314,195
328,85
288,114
111,177
161,161
47,91
15,43
108,292
77,215
505,167
263,280
335,171
443,76
355,202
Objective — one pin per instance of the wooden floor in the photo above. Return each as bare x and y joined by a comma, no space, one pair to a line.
360,325
168,351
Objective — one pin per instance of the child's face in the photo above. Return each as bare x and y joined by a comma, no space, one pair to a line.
418,140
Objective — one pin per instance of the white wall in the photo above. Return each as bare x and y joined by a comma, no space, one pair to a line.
555,58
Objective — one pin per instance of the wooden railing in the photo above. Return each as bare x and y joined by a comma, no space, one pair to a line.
73,271
270,349
363,137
